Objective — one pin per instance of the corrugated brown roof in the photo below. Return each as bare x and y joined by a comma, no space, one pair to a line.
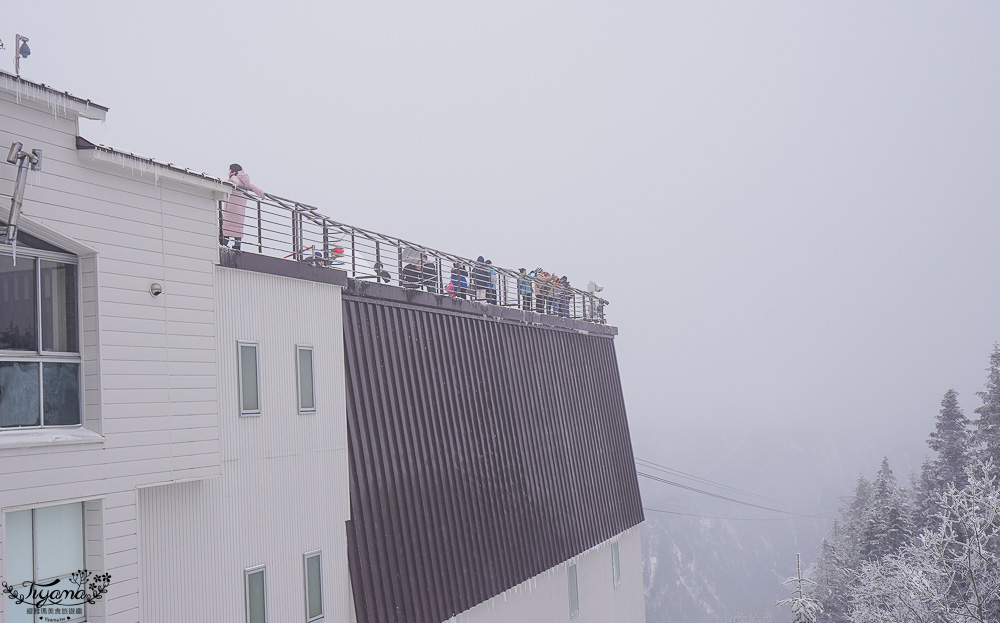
482,453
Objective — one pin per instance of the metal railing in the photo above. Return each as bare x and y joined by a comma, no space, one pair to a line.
279,227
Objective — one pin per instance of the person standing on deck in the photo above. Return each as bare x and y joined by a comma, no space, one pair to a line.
235,206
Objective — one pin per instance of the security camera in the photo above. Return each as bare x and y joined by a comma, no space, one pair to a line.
155,289
593,286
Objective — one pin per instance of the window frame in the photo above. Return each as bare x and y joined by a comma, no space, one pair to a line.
298,377
616,565
305,576
574,591
262,569
40,356
239,375
34,550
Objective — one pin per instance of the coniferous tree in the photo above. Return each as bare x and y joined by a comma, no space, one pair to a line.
951,439
832,570
987,427
887,525
805,607
925,491
854,515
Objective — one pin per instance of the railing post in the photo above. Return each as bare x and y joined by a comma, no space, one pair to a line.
297,234
221,212
440,272
354,264
260,230
326,243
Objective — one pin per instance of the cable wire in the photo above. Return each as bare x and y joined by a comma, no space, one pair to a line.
728,499
677,472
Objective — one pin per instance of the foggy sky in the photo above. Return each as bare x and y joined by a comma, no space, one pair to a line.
792,205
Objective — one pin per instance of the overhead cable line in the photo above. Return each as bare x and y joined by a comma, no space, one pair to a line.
650,464
660,510
728,499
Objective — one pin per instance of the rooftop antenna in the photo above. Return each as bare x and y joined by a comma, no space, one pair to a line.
21,50
21,159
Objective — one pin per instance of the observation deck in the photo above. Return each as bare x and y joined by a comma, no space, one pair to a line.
282,228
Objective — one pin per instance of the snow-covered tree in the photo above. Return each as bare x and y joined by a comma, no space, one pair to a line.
987,433
951,439
886,524
805,608
947,575
833,572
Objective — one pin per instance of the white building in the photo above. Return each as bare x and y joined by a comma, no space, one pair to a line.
167,419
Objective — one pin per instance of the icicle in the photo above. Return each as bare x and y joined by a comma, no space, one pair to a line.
13,248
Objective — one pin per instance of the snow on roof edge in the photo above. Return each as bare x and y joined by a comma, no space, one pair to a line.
143,164
54,99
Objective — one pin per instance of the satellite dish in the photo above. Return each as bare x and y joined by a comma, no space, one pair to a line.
593,286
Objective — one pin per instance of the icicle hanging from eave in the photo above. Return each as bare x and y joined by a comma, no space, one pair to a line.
54,100
132,163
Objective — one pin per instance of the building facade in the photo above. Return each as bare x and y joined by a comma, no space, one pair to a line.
237,437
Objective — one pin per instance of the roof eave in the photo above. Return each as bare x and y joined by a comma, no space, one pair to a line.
57,101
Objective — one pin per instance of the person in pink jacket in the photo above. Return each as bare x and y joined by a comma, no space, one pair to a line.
235,206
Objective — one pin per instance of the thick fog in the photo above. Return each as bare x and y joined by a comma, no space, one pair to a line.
793,206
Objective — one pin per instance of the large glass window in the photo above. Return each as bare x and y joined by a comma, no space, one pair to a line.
249,385
304,364
256,600
39,340
314,586
44,544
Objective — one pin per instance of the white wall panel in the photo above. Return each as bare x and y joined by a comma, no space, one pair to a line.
545,598
284,487
154,399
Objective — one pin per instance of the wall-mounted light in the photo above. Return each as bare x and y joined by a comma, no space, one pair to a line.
22,160
15,151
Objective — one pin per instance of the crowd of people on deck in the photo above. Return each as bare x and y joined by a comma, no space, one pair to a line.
538,290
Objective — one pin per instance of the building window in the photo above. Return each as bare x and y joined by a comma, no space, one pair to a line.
39,340
616,564
44,544
314,586
255,594
574,593
304,366
249,380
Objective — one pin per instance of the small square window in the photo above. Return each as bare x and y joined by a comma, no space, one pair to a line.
574,593
616,564
314,586
249,380
256,601
304,366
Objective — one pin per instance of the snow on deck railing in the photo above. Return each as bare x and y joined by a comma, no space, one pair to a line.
280,227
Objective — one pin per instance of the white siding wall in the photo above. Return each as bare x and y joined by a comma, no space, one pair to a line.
149,363
284,487
545,598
